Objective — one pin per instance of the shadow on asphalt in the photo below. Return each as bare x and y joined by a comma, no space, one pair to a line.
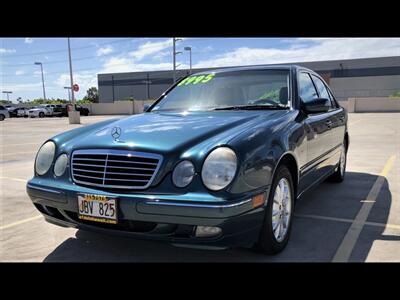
312,240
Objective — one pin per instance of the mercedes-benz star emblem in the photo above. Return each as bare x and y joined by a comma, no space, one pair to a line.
116,133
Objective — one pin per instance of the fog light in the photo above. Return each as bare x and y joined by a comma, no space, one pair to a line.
207,231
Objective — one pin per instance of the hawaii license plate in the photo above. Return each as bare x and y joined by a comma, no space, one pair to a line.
97,208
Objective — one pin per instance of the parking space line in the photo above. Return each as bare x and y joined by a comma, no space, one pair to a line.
355,122
20,222
350,239
12,178
344,220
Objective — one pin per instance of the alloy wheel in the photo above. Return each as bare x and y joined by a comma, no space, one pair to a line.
281,209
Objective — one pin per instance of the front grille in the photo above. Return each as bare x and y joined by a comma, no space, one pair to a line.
114,168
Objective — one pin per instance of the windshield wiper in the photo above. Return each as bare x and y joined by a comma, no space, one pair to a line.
252,107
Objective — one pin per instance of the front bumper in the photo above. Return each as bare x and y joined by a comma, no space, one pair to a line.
170,218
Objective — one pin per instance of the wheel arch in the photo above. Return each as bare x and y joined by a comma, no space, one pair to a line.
289,160
346,138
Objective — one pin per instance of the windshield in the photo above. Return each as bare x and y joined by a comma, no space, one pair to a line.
258,88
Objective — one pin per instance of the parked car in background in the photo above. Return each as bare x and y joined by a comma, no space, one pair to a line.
3,113
218,161
43,110
12,110
59,110
38,111
22,112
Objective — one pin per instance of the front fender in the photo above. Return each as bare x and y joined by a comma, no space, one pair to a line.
260,150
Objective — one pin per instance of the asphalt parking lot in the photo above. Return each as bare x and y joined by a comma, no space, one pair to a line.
357,220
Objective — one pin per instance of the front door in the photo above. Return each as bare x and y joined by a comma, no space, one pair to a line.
318,132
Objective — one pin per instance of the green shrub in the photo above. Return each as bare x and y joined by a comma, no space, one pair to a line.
395,95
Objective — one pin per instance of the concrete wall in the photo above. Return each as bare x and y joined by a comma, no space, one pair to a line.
118,107
372,104
367,86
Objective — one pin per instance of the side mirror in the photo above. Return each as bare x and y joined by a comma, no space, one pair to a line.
146,107
319,105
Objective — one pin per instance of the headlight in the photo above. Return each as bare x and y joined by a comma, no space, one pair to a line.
60,165
219,168
44,158
183,174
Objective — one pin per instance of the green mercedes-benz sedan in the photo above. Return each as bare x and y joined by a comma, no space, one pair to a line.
218,161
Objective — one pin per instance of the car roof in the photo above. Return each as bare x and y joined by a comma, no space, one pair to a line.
259,67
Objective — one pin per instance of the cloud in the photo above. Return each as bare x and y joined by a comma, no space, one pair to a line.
161,55
20,72
39,73
206,49
22,87
150,48
124,64
104,50
5,50
307,49
28,40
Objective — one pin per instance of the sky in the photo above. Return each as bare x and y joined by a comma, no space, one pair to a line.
91,56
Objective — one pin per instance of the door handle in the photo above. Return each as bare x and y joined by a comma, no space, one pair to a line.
329,123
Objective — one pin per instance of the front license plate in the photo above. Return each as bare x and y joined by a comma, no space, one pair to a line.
97,208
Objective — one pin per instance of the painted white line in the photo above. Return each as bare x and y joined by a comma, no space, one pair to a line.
344,220
354,122
346,247
20,222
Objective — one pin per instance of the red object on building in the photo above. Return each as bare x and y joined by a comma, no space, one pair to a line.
76,87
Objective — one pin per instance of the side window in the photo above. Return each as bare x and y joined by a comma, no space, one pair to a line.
333,100
2,107
307,90
323,91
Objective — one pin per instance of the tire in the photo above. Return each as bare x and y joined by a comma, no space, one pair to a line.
269,242
2,117
41,115
340,173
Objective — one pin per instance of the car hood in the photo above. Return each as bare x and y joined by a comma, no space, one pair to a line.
167,132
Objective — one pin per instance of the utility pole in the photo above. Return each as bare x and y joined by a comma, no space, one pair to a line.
174,53
41,68
8,93
73,115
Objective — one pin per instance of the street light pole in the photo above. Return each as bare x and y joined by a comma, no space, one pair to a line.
41,68
8,93
74,116
190,57
174,53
